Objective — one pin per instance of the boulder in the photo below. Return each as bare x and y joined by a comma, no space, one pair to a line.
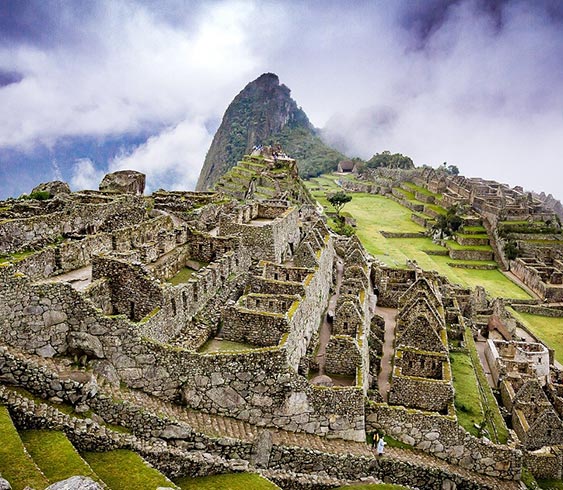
53,188
76,483
4,484
84,343
124,182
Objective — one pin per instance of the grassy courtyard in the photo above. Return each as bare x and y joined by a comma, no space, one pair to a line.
233,481
468,406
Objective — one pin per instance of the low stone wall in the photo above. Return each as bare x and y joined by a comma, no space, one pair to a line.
427,394
444,438
538,310
545,464
471,254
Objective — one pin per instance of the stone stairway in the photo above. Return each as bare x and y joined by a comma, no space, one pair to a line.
220,427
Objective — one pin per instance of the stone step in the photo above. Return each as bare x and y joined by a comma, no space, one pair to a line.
55,455
16,465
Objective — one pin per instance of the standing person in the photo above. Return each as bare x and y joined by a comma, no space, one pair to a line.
374,439
380,445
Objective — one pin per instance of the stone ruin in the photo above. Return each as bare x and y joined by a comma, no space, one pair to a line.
146,290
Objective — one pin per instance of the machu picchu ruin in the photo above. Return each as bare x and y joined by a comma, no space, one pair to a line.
233,330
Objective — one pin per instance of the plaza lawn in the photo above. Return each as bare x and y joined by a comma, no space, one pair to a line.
233,481
545,328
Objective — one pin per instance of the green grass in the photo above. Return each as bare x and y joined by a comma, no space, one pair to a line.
182,276
545,328
123,470
467,397
16,465
549,484
481,248
232,481
55,455
374,213
473,229
495,424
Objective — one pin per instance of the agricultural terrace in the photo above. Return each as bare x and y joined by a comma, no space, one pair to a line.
375,213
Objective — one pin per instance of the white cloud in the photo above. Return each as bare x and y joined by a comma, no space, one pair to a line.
172,159
135,72
85,175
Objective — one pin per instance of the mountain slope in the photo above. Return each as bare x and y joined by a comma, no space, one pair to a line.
263,113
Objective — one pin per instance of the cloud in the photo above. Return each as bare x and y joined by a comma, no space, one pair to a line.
85,175
478,84
171,159
130,72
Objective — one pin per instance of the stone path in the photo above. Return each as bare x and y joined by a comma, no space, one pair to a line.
383,382
79,279
326,327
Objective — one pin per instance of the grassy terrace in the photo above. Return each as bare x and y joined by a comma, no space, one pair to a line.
15,463
55,455
545,328
422,190
375,213
467,404
234,481
139,475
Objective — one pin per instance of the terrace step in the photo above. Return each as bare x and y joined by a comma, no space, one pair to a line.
16,465
123,469
56,456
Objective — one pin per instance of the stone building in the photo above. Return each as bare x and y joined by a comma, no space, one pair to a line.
421,372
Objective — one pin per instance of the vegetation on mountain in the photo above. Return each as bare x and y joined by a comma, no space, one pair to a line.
264,113
390,160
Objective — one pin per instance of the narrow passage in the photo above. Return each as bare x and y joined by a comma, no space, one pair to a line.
388,314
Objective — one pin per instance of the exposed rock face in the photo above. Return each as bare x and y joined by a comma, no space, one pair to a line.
76,483
262,109
53,188
124,181
4,484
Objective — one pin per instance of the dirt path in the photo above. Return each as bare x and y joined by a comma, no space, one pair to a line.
326,327
383,382
79,279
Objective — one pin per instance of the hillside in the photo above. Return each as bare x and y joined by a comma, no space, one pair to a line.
263,113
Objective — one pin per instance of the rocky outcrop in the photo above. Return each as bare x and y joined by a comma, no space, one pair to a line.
53,188
76,483
124,182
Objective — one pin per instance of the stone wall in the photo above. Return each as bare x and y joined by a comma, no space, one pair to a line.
133,293
77,218
256,386
343,356
265,240
545,464
445,439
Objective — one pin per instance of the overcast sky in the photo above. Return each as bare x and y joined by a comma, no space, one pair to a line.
87,87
